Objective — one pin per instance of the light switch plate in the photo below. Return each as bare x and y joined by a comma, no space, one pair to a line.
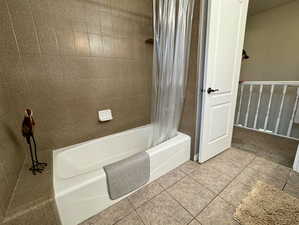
105,115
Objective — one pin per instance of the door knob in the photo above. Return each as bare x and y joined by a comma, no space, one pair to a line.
210,90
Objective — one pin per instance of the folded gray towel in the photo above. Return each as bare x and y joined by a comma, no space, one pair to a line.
127,175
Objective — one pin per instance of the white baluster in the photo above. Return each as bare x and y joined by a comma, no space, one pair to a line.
280,108
248,106
240,103
258,106
269,106
293,114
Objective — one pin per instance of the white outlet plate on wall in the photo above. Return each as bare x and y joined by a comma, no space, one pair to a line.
105,115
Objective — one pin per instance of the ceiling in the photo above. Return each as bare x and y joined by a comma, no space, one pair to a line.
256,6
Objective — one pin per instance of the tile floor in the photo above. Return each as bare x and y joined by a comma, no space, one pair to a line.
199,194
32,190
33,199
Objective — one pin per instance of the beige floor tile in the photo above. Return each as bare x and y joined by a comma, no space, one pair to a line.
191,195
171,178
239,157
189,167
282,171
132,219
226,166
270,168
51,213
292,190
145,194
194,222
262,164
293,179
111,215
32,190
211,178
250,177
235,193
163,210
217,213
239,154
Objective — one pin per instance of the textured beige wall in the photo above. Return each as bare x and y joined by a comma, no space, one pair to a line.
11,153
272,42
66,59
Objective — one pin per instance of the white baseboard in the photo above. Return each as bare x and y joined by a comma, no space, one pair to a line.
296,161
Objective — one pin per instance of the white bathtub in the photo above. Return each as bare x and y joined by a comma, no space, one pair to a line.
79,179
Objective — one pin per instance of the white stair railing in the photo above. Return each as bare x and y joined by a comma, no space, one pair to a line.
282,100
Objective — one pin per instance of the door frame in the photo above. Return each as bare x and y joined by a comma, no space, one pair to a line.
201,69
201,55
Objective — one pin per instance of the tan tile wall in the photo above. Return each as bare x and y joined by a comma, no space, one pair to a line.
66,59
11,154
188,121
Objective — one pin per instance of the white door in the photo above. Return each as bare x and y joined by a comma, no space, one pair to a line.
224,43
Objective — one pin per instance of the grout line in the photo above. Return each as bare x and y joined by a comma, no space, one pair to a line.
193,217
284,186
139,217
35,29
15,187
231,182
150,199
19,210
218,194
177,168
188,175
287,180
202,184
166,190
28,210
12,27
147,199
125,216
135,209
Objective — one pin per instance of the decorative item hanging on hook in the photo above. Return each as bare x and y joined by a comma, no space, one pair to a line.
27,131
244,55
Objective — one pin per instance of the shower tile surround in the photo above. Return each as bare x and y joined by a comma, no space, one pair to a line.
67,59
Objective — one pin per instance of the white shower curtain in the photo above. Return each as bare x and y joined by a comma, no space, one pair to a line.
172,37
